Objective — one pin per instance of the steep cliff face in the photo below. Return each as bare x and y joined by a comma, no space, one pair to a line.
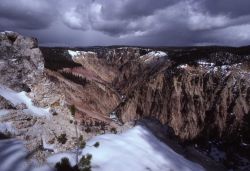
203,97
194,100
85,80
197,91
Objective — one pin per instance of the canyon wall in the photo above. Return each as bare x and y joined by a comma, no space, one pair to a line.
195,91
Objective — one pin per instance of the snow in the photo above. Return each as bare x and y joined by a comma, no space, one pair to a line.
46,146
22,98
237,65
158,54
57,157
74,54
224,67
137,149
153,57
13,60
13,154
3,112
204,63
182,66
245,144
7,127
7,31
213,69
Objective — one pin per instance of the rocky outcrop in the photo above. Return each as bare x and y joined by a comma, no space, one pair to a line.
25,82
21,61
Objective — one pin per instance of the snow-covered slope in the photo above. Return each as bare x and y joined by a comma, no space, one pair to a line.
13,157
136,149
77,54
6,127
22,98
157,53
3,112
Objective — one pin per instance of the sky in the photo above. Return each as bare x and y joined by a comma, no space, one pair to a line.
129,22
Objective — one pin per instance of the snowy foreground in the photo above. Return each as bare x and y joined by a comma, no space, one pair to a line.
136,149
21,98
12,157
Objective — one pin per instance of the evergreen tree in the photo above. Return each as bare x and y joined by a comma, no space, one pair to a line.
85,162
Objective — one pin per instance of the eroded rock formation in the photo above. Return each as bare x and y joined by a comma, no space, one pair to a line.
199,93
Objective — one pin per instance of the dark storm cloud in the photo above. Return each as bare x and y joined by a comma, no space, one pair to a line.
129,9
234,8
143,22
28,14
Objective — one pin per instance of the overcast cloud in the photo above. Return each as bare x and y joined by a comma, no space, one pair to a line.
129,22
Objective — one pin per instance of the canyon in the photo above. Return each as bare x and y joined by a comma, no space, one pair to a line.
198,97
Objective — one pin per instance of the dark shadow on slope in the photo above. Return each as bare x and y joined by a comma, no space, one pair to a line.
166,136
13,157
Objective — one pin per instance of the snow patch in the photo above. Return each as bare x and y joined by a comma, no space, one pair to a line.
153,57
137,149
57,158
75,54
224,69
204,63
182,66
213,69
22,98
158,54
245,144
13,157
8,32
7,127
3,112
49,147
